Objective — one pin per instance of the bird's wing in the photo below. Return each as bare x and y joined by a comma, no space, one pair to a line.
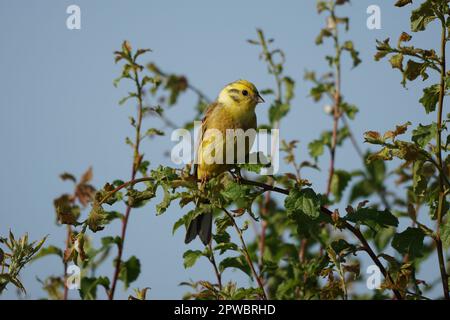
204,127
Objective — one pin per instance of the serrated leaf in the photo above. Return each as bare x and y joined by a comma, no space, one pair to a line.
430,98
409,242
422,16
423,134
304,201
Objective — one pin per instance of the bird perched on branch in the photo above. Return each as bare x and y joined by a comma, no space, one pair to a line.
233,109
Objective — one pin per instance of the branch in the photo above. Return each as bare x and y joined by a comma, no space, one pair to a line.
136,162
246,253
212,259
441,204
347,225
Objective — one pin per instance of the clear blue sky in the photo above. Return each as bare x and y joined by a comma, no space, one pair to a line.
59,112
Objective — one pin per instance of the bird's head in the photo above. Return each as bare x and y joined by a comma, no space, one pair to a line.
241,93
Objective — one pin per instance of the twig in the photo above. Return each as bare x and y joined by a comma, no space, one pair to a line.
336,103
246,253
212,259
136,162
441,200
68,242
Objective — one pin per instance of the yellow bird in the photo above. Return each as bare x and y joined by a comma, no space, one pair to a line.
233,109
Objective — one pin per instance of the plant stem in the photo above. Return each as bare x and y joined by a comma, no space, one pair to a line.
212,259
336,104
278,99
68,242
246,253
441,200
136,162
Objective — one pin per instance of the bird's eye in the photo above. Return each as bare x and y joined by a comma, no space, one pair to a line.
245,92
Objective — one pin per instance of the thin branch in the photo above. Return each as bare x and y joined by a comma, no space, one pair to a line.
212,259
442,199
136,162
68,242
336,104
246,253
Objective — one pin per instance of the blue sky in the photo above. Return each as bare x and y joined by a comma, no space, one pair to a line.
59,111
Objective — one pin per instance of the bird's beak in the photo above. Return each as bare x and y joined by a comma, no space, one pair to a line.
259,99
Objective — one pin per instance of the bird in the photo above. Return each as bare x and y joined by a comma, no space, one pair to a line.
234,109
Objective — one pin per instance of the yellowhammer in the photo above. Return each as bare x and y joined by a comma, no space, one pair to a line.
234,109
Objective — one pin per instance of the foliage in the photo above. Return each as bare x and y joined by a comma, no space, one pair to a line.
304,246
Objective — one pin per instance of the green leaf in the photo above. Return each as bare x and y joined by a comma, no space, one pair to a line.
129,96
430,98
422,135
50,250
372,218
414,69
88,287
107,241
316,148
178,224
289,88
348,45
422,16
445,232
339,182
154,132
349,109
409,242
277,111
190,257
420,182
225,246
129,271
235,262
166,201
397,61
304,201
342,247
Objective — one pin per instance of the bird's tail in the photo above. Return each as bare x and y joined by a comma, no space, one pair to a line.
201,226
